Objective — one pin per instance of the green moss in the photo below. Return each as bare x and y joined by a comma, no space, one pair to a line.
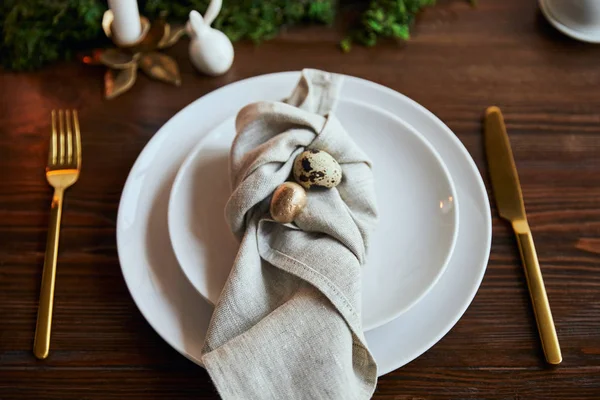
36,32
386,19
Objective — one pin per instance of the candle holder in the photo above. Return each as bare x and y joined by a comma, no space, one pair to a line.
124,60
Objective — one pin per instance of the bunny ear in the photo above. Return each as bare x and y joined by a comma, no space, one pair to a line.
197,21
214,8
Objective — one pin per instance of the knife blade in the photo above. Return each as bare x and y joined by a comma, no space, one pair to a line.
502,168
509,202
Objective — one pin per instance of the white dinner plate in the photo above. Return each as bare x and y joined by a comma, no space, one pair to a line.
417,205
180,314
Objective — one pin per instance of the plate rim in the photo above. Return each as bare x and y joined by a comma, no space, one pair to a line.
193,154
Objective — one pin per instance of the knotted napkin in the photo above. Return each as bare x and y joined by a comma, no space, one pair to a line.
288,322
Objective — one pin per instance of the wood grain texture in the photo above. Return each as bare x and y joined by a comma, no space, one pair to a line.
459,61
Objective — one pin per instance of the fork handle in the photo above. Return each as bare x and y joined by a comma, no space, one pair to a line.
41,344
539,298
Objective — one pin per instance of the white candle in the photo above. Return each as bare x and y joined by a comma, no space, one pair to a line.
126,26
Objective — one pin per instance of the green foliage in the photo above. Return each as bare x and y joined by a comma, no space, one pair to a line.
37,32
386,19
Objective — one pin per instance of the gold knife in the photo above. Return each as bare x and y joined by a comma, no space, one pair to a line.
509,201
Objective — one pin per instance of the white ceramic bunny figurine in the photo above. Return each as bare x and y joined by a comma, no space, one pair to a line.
210,50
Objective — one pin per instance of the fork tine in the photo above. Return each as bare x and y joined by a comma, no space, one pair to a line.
53,141
69,138
61,124
77,139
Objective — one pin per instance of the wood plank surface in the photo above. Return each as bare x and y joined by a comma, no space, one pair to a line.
459,61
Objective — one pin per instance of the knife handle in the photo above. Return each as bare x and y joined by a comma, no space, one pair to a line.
537,291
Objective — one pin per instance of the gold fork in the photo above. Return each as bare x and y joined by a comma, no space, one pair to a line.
64,164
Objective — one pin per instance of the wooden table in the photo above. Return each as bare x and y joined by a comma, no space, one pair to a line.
460,61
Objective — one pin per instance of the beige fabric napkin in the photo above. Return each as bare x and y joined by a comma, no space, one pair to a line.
288,322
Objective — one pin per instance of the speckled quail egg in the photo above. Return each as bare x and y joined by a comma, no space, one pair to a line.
317,168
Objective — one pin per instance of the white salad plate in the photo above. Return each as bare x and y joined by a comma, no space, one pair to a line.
417,205
180,315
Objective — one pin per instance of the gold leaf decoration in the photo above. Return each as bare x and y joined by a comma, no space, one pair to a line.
118,82
118,59
152,38
171,36
107,20
124,61
165,36
160,66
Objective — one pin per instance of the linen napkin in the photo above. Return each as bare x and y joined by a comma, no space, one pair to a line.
288,322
